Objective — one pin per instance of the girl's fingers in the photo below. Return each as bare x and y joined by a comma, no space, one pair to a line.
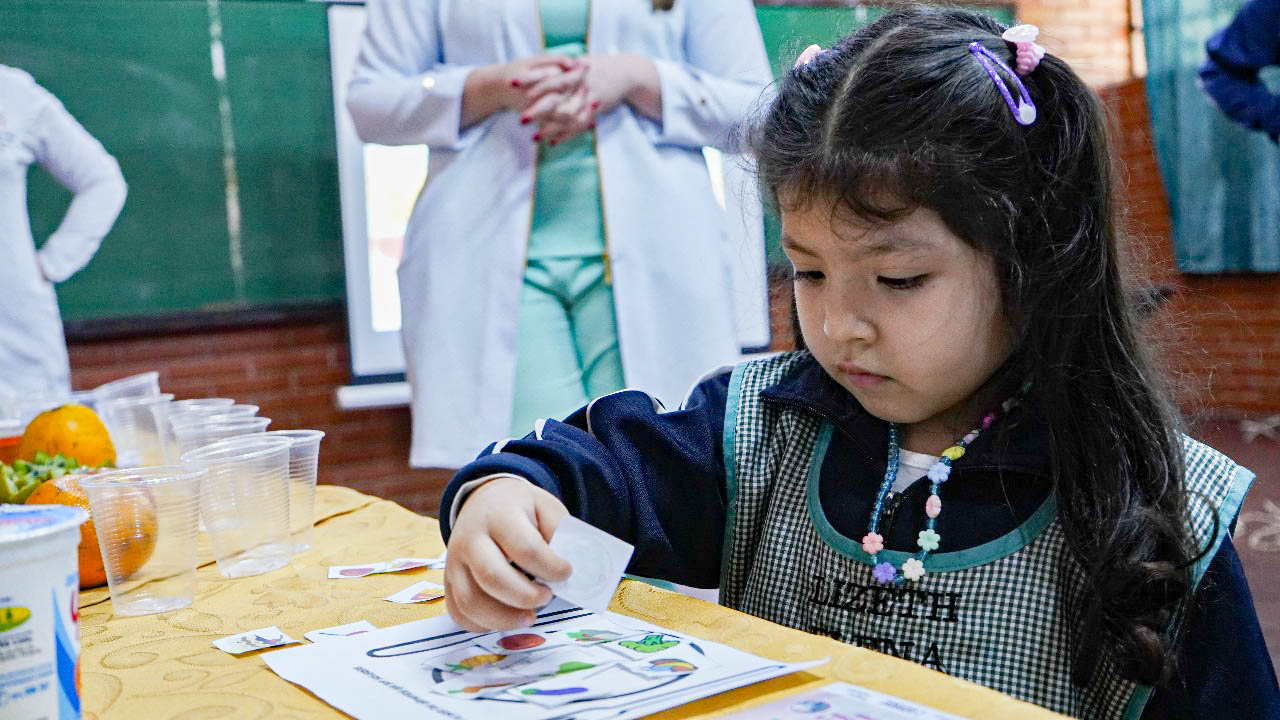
495,576
521,542
548,511
482,611
492,614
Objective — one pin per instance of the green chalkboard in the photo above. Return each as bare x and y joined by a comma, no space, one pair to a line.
138,75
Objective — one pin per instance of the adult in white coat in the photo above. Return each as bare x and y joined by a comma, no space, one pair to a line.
666,241
36,128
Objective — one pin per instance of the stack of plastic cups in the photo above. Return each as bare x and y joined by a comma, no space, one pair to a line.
140,385
145,519
245,502
303,461
139,428
201,433
193,403
203,414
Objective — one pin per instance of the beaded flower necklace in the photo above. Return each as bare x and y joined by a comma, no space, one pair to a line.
872,543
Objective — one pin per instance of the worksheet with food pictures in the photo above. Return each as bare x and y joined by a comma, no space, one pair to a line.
572,663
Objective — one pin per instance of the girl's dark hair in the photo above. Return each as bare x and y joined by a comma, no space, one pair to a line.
901,115
663,4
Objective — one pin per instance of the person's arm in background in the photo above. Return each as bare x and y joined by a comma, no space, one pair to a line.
402,92
79,162
724,73
1236,53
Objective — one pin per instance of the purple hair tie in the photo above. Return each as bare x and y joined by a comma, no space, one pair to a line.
1024,111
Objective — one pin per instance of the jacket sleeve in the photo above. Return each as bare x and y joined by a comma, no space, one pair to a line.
720,82
1223,667
401,90
652,478
79,162
1230,74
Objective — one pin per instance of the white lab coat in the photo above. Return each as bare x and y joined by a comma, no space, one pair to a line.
36,128
464,254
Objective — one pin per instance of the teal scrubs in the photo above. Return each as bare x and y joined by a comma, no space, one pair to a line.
567,344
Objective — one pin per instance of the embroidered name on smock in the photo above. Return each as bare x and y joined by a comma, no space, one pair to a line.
885,600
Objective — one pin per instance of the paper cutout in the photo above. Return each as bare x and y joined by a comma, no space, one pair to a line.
598,561
251,640
340,631
842,701
342,572
418,592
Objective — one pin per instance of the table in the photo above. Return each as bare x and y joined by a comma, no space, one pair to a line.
163,666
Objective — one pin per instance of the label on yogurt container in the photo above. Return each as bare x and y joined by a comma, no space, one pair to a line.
39,613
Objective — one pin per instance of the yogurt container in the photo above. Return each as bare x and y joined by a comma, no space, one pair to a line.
39,611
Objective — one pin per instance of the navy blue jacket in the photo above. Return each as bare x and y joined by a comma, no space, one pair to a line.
1236,53
657,480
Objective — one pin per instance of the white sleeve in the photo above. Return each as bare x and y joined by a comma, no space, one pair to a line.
401,91
78,161
721,81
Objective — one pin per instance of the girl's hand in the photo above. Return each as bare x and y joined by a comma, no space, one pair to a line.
507,520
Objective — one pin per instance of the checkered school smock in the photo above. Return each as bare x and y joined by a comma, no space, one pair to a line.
1001,614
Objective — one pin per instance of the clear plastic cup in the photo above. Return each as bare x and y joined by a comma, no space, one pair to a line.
188,416
140,385
145,519
304,459
245,502
191,403
199,434
139,428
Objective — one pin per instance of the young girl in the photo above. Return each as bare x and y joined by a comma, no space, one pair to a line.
973,464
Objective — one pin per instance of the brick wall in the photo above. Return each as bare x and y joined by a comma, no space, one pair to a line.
1225,328
291,371
1092,35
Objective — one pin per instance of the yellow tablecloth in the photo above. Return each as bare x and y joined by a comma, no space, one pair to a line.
163,666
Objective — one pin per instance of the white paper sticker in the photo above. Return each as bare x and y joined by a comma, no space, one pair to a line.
598,561
842,700
340,631
253,640
417,593
342,572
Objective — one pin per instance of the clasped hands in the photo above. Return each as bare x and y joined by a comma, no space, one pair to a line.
559,97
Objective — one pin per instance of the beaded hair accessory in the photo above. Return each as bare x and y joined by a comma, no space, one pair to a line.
1023,37
1029,55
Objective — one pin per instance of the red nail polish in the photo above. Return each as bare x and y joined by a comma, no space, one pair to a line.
595,104
554,142
515,83
524,121
537,137
591,126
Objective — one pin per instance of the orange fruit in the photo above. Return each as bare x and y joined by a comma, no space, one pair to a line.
133,524
71,430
